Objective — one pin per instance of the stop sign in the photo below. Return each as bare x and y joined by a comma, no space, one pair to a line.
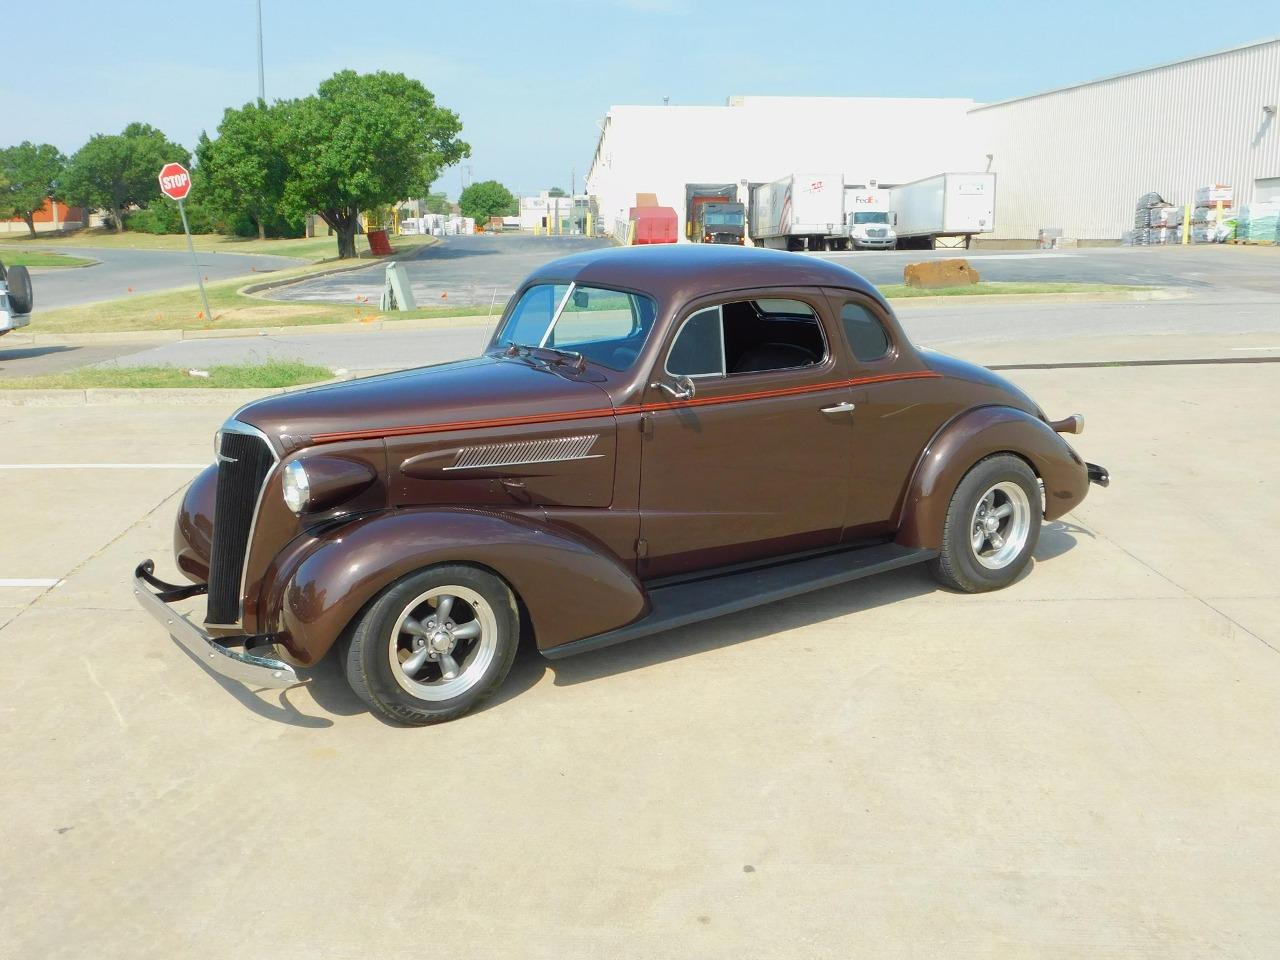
175,182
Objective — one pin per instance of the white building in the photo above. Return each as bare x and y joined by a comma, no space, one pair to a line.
1076,158
757,139
560,213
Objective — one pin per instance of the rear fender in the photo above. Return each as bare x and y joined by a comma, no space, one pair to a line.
570,587
970,437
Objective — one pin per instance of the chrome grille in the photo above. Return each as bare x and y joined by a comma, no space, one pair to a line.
525,451
244,460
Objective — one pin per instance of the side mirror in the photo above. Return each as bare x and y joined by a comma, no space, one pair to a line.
580,299
681,389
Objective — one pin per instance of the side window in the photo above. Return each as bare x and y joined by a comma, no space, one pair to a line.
866,335
771,334
699,347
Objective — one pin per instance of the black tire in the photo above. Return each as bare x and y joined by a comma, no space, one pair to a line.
963,567
367,647
21,298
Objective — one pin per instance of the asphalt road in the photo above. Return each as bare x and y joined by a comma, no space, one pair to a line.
477,270
472,269
122,272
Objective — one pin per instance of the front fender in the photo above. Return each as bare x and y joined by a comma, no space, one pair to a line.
970,437
570,587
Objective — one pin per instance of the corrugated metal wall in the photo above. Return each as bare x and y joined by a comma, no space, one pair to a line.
1079,158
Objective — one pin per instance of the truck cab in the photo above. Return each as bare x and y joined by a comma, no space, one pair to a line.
720,223
869,219
872,230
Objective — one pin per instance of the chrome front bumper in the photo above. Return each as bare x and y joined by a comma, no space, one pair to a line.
248,668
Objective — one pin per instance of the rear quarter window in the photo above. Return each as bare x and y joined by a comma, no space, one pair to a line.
867,336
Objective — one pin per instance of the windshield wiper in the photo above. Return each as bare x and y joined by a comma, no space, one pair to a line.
548,355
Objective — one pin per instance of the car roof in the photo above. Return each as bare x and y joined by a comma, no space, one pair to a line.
675,272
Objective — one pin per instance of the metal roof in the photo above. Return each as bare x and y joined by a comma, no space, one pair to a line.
1128,73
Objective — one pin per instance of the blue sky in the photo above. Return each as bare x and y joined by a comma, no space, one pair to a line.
532,79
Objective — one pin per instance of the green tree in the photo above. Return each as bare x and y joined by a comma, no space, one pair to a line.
31,172
243,171
438,203
486,199
116,171
556,192
363,140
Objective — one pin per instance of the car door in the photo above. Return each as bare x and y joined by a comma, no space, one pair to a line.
898,408
755,462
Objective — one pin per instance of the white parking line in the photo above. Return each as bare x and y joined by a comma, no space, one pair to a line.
30,582
103,466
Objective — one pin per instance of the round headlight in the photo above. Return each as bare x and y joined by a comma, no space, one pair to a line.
297,488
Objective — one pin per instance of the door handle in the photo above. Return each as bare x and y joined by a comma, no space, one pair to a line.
845,407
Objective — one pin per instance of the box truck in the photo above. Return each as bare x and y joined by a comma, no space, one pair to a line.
799,212
712,213
869,218
948,206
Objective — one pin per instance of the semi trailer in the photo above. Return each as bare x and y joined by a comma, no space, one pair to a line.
945,207
799,212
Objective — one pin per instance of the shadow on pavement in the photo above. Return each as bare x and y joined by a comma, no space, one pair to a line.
796,613
328,686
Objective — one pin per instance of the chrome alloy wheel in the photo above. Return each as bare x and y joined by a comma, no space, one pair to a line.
443,643
1000,525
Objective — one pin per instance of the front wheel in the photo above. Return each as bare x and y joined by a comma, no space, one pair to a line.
992,525
433,645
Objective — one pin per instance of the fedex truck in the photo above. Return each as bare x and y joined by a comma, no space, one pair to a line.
869,218
945,210
799,212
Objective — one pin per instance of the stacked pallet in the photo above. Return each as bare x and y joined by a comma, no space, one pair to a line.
1151,221
1259,223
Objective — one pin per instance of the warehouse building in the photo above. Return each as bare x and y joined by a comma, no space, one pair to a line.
1074,159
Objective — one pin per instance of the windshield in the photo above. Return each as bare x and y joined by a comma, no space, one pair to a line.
871,216
607,327
724,219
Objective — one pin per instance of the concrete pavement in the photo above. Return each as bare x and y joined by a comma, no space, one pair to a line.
1083,765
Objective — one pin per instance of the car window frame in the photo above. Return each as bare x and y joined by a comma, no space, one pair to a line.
810,297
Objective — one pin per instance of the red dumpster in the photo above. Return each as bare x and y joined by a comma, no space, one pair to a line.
654,225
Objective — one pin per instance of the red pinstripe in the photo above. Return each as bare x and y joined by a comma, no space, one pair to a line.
609,411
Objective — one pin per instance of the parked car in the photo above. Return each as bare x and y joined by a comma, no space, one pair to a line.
653,436
16,298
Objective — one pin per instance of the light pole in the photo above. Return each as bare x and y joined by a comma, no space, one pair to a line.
262,81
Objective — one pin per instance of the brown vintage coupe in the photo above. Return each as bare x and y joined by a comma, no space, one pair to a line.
654,436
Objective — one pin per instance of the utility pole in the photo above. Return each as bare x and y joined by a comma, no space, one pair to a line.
262,82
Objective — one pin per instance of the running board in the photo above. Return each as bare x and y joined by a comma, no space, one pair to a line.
681,604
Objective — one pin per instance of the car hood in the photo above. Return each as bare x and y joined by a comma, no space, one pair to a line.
468,392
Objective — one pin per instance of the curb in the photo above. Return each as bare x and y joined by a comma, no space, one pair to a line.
297,330
169,396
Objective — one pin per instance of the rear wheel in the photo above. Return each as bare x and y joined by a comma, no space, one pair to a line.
433,645
992,525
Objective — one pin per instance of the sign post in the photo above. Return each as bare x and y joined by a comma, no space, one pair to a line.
175,183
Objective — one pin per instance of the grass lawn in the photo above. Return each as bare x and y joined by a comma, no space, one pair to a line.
314,249
34,258
891,291
280,373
